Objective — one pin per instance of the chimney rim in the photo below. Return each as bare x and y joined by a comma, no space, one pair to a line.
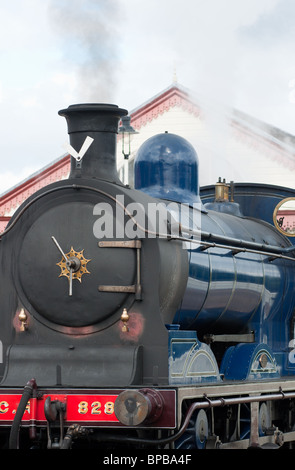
94,107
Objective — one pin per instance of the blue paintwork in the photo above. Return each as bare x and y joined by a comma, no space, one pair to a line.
254,200
241,362
166,166
226,292
190,361
232,293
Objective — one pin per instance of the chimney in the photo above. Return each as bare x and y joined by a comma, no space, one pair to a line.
100,122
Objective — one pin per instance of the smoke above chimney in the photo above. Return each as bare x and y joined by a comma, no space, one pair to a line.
86,33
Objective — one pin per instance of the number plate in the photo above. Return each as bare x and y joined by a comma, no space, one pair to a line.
91,408
79,408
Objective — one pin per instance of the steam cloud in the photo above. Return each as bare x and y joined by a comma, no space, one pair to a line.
88,41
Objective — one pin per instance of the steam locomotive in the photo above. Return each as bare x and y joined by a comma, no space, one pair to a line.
155,317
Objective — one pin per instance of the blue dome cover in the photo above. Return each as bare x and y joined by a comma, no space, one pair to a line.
166,167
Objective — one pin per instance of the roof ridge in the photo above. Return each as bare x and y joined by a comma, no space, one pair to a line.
36,174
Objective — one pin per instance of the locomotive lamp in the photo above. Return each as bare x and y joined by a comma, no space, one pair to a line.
127,131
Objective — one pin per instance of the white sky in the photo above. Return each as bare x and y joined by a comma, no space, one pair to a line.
59,52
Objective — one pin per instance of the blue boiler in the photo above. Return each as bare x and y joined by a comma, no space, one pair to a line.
230,291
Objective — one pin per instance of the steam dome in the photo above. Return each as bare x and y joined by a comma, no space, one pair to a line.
166,167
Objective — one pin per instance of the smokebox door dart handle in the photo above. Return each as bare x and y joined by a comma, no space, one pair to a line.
71,281
68,264
59,248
